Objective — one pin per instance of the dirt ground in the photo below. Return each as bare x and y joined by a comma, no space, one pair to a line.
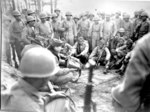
101,89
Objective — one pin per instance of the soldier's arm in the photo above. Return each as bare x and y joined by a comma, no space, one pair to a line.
108,54
85,51
94,52
25,37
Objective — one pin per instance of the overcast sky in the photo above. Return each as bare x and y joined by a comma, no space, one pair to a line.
109,6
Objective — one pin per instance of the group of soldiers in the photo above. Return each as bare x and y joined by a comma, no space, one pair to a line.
48,49
103,38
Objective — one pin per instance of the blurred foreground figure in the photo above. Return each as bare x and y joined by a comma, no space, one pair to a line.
132,95
37,66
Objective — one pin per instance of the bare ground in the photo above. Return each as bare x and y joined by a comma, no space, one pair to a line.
101,89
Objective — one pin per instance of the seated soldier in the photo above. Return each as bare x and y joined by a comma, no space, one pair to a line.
64,75
127,50
81,50
115,43
65,52
101,55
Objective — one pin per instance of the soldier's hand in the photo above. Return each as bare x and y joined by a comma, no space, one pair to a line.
58,95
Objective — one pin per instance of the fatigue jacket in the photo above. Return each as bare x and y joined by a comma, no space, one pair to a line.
128,93
144,29
103,53
84,27
28,34
22,98
44,29
16,30
128,28
82,49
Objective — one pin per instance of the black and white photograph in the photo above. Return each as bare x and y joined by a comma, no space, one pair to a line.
75,55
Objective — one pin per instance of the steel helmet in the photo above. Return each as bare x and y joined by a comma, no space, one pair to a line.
43,15
16,13
56,42
144,14
121,30
68,14
75,17
54,15
30,18
38,62
96,19
57,9
126,16
49,15
27,47
30,12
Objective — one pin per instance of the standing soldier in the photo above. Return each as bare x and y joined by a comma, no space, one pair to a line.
56,25
70,32
32,13
29,34
144,26
95,32
49,16
84,26
44,30
59,16
15,35
118,20
127,25
108,29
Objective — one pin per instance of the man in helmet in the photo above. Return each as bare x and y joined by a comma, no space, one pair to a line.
70,28
84,27
57,29
16,30
95,33
37,66
58,13
118,20
29,35
64,75
144,26
108,29
101,55
44,29
49,16
127,25
32,13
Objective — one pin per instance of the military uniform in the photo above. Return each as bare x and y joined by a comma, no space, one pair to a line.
95,34
70,31
128,28
83,28
100,55
22,97
127,95
56,29
108,30
81,51
16,30
144,28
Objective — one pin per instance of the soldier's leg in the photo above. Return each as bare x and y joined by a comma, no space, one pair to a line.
18,48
